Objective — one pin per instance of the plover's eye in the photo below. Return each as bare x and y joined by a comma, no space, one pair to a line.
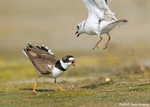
77,27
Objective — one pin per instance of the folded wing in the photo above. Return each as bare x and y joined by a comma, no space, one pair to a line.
41,57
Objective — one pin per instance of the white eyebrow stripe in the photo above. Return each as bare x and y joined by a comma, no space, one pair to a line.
71,59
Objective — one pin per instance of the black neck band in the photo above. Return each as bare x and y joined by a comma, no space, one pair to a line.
59,66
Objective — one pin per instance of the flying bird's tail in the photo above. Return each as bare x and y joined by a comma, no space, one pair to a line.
113,24
122,21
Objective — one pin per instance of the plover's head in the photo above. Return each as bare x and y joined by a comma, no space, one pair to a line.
80,28
67,61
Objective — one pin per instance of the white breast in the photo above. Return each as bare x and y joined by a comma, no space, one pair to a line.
106,26
91,29
92,26
56,72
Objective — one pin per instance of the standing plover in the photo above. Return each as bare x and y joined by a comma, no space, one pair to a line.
100,20
46,64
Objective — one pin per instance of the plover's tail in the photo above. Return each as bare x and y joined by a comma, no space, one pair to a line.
33,50
24,52
118,22
123,20
45,48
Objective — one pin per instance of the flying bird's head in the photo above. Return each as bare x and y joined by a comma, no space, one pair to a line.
80,28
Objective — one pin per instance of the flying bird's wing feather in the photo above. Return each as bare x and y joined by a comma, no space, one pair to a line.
93,9
106,1
103,6
100,9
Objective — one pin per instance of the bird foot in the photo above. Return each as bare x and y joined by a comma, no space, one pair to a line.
61,89
34,92
105,47
96,46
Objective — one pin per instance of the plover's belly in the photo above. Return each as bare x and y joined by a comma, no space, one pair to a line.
91,29
108,27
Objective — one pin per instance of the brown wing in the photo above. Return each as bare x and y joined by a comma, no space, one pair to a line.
41,58
42,65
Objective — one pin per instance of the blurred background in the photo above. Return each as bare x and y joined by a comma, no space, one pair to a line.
53,23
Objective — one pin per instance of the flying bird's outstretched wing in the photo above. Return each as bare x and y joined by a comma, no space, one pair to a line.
100,9
93,9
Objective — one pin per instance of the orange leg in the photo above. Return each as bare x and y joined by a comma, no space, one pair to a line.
58,85
106,45
34,91
96,45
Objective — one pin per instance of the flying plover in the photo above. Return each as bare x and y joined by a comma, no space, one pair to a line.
100,20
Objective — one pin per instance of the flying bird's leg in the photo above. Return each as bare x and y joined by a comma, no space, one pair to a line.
34,91
106,45
58,85
96,45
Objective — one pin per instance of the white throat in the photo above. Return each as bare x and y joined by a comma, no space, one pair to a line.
64,65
